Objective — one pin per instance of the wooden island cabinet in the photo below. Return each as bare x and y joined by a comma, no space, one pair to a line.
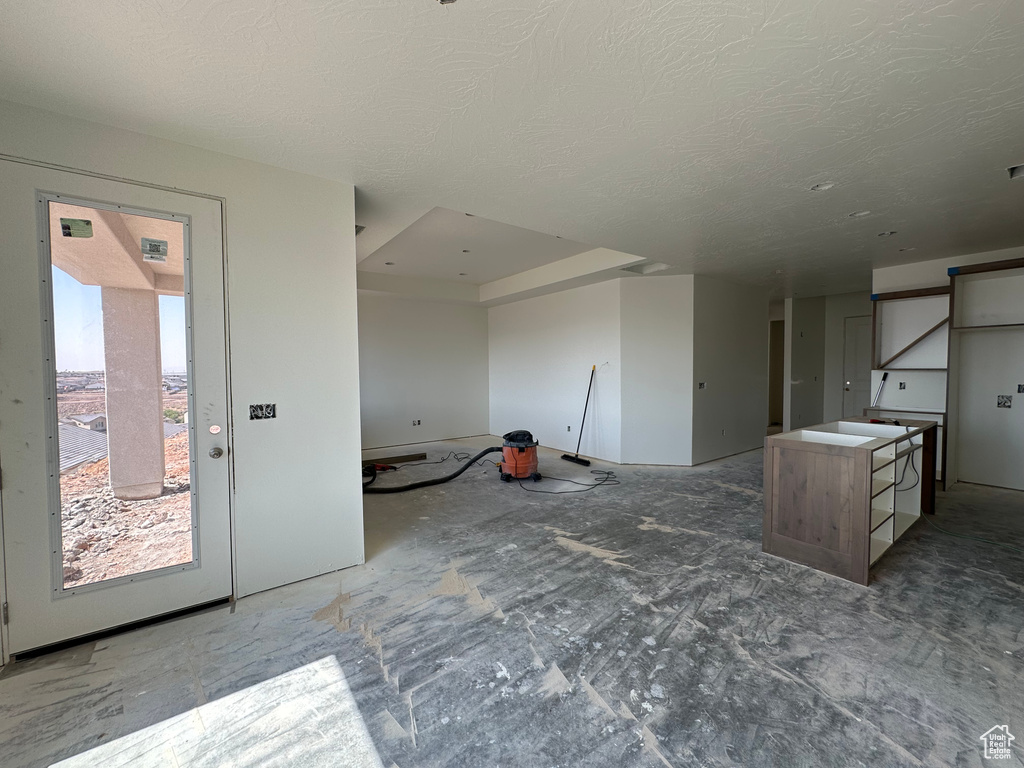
837,495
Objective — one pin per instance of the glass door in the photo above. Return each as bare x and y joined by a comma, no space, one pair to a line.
122,511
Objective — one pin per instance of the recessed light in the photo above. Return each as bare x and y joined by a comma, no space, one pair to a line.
824,186
389,263
1016,172
778,271
463,274
907,249
469,214
887,234
858,214
465,251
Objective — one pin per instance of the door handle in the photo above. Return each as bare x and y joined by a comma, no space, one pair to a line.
216,453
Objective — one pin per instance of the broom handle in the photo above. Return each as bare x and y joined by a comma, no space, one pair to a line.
584,420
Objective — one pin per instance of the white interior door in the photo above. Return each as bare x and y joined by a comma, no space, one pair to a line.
113,401
856,366
990,435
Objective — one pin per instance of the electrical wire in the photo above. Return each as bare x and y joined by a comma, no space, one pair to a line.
459,456
607,477
909,462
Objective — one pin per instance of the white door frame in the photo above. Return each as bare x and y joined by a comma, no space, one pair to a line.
5,647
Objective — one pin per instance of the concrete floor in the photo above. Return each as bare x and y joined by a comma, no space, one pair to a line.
635,625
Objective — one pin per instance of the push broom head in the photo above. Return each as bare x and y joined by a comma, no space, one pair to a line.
576,460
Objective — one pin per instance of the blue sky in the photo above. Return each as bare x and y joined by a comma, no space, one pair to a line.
78,326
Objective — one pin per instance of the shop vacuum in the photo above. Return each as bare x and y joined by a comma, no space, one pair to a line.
518,460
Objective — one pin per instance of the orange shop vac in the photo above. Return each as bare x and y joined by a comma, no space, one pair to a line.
519,456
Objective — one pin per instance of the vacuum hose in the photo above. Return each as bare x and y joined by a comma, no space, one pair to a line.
372,474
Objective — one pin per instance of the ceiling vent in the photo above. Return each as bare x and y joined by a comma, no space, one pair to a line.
359,229
1016,173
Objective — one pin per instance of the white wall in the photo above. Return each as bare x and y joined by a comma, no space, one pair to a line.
974,424
928,274
837,309
292,314
541,353
421,360
657,370
990,447
730,354
805,362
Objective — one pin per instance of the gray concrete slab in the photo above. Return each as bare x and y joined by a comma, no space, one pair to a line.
633,625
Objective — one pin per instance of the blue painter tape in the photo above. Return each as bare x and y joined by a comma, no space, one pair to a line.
953,271
874,297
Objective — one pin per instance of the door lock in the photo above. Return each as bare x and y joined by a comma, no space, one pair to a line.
216,453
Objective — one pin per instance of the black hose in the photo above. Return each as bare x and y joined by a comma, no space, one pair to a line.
425,483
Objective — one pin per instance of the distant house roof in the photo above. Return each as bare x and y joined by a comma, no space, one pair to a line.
79,446
88,418
171,429
82,446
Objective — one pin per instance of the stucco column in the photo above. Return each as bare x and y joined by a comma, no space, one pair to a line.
135,432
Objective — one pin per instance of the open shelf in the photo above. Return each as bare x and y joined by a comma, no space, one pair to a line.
878,547
881,486
881,462
909,450
878,517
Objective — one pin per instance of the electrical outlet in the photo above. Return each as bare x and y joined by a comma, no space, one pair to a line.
723,433
903,385
701,384
568,428
418,422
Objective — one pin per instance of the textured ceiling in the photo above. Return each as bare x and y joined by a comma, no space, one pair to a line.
686,132
453,246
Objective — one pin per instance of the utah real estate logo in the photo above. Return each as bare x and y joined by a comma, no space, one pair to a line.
997,742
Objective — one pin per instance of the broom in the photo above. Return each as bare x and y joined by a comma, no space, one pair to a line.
576,459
